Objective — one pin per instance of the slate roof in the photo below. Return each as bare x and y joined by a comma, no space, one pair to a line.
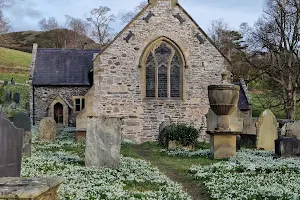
244,102
63,67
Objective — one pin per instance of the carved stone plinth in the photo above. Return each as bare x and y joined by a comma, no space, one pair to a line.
29,188
222,144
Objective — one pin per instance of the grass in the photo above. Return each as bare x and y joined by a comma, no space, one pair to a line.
176,168
19,78
13,58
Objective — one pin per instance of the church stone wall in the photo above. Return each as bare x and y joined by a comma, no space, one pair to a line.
117,75
43,97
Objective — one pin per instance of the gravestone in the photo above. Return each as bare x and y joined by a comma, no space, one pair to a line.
16,97
8,96
22,120
5,83
103,142
266,128
10,149
291,130
287,147
162,126
47,130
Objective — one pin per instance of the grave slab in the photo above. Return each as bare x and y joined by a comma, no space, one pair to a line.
29,188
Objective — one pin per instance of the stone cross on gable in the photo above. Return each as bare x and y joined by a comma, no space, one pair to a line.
154,2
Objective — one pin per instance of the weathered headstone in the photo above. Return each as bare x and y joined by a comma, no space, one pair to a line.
8,96
103,142
16,97
5,83
22,120
47,130
291,130
162,127
10,149
266,127
287,147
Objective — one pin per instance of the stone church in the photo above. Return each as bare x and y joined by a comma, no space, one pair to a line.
157,68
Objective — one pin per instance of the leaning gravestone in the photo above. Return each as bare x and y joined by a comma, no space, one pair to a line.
8,96
287,147
22,120
103,142
5,83
11,143
16,97
47,130
266,128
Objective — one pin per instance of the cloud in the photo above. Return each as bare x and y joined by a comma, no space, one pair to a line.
25,14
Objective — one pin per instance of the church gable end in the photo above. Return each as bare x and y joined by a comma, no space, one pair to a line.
164,55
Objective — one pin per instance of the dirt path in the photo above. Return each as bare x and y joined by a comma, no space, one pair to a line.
191,186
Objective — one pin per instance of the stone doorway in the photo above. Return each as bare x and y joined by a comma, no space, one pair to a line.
58,113
59,110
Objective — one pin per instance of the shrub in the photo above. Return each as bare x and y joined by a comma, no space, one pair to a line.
181,133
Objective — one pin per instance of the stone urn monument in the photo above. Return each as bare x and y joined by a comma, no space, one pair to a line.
223,101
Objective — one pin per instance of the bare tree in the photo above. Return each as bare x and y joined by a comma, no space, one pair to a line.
4,23
80,30
100,21
276,39
228,41
48,24
127,17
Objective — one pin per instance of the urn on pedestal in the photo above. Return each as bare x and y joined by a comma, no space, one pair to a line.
223,101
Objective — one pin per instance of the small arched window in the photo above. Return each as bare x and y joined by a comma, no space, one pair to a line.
163,69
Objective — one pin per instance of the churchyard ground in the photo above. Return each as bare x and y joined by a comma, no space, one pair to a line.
148,171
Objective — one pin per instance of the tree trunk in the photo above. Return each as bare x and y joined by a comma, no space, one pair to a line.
290,109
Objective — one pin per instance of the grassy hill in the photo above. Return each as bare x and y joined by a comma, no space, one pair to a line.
13,58
14,64
45,39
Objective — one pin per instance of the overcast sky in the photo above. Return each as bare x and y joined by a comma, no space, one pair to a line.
25,14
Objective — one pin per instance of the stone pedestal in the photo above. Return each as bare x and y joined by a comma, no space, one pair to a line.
29,188
222,144
103,142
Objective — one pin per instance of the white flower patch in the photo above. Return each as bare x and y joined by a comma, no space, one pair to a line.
80,182
187,153
252,175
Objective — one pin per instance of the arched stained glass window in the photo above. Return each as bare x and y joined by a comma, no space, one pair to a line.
163,82
163,72
175,76
150,76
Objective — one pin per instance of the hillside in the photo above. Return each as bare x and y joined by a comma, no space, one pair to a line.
14,64
58,38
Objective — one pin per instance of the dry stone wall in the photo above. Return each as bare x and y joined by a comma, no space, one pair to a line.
117,76
43,97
